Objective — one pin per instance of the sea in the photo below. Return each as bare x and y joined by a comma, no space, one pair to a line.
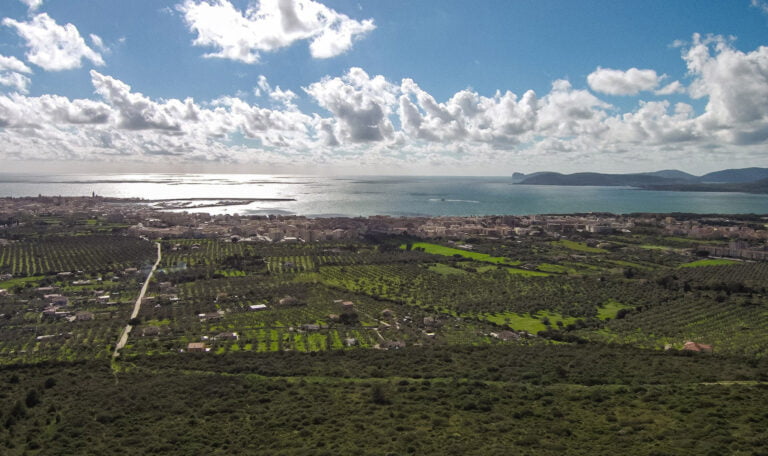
353,196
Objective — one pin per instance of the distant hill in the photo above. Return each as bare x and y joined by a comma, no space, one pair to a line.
673,174
735,175
749,180
598,179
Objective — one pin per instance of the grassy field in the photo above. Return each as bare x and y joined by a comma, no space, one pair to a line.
610,309
709,262
20,281
577,246
527,322
437,249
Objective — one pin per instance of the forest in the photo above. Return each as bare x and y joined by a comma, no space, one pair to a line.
384,345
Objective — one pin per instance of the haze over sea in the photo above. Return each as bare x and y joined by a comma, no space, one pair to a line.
324,196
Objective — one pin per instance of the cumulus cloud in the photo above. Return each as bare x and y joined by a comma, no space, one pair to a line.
735,85
672,88
361,105
32,4
137,112
270,25
12,73
618,82
51,46
366,118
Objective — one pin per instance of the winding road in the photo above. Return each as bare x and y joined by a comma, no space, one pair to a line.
137,306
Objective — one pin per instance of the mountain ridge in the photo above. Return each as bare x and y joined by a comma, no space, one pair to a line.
747,180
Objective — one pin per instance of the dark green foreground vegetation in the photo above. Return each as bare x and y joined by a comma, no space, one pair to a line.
521,346
526,400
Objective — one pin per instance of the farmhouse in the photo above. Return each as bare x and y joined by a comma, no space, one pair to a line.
210,316
84,316
196,347
506,335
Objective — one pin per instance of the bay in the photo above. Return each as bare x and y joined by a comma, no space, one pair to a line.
352,196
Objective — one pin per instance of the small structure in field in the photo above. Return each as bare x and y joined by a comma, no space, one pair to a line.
289,301
697,347
196,347
84,316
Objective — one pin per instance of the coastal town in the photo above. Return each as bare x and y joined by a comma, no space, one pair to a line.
749,233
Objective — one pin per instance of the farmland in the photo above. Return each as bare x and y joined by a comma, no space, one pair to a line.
521,333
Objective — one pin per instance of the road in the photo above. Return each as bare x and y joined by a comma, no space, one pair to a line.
137,306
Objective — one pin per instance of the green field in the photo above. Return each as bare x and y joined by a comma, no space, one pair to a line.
577,246
710,262
437,249
610,309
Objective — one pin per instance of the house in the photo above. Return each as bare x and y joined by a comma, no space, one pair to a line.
258,307
347,306
310,327
350,342
697,347
84,316
198,347
227,336
210,316
506,335
334,318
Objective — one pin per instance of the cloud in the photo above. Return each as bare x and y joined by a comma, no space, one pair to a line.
270,25
19,111
32,4
617,82
366,118
735,85
137,112
12,72
51,46
674,87
361,105
98,43
761,5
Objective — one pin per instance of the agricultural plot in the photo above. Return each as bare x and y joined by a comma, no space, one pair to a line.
52,255
437,249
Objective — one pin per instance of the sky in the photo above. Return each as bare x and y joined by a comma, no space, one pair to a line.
383,87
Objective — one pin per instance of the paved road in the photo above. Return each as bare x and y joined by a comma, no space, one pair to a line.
137,306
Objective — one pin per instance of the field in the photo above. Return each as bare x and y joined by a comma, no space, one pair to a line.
549,346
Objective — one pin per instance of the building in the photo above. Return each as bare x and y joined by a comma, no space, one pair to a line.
198,347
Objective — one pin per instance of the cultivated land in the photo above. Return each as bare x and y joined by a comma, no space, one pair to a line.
537,343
